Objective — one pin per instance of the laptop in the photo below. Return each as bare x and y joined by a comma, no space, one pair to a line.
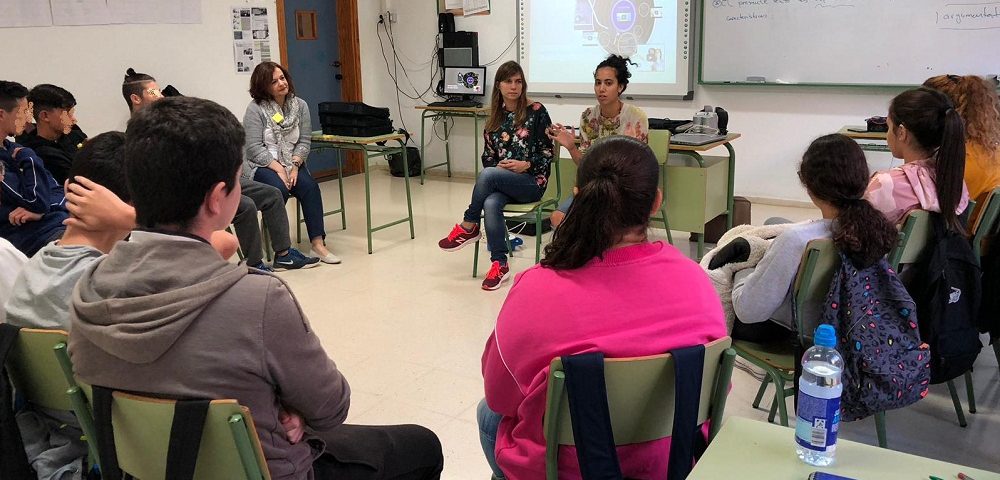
695,139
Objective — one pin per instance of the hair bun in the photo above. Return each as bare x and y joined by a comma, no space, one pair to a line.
130,72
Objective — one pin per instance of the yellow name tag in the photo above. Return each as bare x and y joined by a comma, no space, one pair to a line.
277,117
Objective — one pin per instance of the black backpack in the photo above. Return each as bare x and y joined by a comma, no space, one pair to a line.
946,286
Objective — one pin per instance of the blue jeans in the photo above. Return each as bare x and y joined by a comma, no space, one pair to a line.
489,421
306,190
495,188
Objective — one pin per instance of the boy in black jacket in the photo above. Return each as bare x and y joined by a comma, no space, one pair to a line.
55,137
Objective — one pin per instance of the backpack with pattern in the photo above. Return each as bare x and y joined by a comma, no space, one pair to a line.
886,365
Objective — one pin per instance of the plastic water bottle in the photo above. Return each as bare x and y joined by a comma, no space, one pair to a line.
819,400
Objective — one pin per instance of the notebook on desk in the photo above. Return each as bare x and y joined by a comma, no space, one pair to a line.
695,139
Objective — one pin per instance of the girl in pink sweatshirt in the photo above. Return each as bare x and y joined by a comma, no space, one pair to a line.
602,286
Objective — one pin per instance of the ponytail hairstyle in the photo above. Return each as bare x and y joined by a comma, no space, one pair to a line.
497,111
617,181
620,64
835,171
932,119
977,103
133,84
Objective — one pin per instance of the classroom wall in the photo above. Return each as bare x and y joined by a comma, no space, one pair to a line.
90,61
777,123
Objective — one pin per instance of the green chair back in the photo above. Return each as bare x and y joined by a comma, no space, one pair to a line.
640,398
35,371
819,264
229,446
987,223
659,141
913,238
551,196
567,175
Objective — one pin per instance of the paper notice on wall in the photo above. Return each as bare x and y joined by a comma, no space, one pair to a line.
155,11
453,4
472,7
80,12
251,37
25,13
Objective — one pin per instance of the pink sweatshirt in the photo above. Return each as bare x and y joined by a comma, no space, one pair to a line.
639,300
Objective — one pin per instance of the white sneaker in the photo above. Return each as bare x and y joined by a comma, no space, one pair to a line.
328,258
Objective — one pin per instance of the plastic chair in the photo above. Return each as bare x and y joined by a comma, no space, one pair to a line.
988,226
39,376
229,445
659,141
812,282
548,203
914,237
640,399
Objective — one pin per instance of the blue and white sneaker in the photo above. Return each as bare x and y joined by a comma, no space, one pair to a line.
293,260
262,267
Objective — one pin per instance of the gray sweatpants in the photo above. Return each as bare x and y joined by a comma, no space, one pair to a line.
266,199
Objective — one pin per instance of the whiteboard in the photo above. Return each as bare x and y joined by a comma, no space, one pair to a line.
562,41
867,42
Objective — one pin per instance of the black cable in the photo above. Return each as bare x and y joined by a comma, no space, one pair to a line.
392,43
495,60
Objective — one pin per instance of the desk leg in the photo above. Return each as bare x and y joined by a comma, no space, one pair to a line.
475,138
423,155
409,203
340,181
732,182
447,148
368,196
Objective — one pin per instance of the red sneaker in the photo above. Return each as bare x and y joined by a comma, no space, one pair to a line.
496,276
459,237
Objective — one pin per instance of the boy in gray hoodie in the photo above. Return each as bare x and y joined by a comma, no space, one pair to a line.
163,314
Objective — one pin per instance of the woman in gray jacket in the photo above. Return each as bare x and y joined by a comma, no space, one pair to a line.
278,133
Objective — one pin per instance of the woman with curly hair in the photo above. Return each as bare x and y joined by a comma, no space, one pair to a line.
976,101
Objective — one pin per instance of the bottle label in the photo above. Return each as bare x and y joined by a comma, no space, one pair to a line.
818,422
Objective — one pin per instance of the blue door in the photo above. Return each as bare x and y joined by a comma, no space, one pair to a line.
314,62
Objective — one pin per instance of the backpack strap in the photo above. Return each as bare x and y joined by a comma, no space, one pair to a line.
687,441
185,438
105,433
591,418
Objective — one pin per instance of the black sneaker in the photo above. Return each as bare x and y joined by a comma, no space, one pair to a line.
293,260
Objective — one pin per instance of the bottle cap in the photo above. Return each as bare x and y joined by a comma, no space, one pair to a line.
825,336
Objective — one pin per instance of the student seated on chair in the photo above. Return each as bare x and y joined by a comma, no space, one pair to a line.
602,286
11,261
31,202
141,90
278,139
925,130
517,158
56,137
834,173
163,314
610,116
976,101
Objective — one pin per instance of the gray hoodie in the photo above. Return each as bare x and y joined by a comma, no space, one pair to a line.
163,314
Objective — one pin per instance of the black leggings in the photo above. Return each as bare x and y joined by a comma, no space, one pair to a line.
392,452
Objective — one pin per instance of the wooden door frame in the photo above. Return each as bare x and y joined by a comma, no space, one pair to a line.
349,44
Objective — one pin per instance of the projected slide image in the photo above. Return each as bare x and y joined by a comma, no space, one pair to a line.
570,37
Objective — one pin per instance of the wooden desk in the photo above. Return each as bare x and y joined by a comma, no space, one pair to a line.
686,184
433,113
369,148
867,146
749,449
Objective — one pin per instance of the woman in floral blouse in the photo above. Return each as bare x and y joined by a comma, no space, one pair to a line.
516,166
609,117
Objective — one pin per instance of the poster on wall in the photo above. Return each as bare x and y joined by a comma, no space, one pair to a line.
25,13
80,12
251,38
155,11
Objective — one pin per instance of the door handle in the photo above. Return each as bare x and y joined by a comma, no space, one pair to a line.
338,76
335,64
